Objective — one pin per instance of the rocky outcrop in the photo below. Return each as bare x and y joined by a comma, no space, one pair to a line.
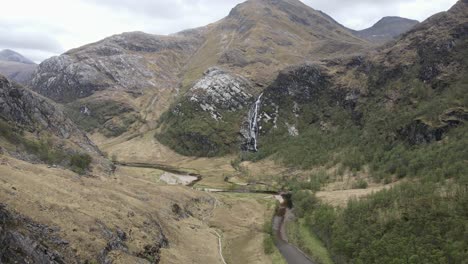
201,123
420,131
117,242
24,241
219,91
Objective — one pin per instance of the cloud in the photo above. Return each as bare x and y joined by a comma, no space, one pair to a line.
30,40
49,27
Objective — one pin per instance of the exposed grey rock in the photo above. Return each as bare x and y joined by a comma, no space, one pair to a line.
219,90
420,132
24,241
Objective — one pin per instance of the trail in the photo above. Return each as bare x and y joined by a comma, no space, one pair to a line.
220,247
220,242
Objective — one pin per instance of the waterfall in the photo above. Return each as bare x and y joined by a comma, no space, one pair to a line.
253,124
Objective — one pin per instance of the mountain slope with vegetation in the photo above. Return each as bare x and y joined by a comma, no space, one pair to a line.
398,114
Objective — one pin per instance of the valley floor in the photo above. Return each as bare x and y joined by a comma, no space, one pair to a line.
89,213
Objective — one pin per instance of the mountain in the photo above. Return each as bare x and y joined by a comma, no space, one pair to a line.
12,56
386,29
127,81
16,67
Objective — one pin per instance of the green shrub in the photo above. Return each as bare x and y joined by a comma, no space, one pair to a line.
80,163
360,184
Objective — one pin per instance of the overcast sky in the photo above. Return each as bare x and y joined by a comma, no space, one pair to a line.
40,29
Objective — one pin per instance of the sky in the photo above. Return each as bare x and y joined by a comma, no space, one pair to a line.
40,29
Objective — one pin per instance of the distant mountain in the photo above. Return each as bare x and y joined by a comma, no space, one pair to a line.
10,55
16,67
386,29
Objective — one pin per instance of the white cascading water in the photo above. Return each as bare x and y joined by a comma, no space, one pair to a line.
253,123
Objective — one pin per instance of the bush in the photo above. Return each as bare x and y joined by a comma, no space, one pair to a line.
80,163
268,241
360,184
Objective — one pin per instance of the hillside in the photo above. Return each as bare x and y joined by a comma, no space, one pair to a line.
36,130
386,29
16,67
